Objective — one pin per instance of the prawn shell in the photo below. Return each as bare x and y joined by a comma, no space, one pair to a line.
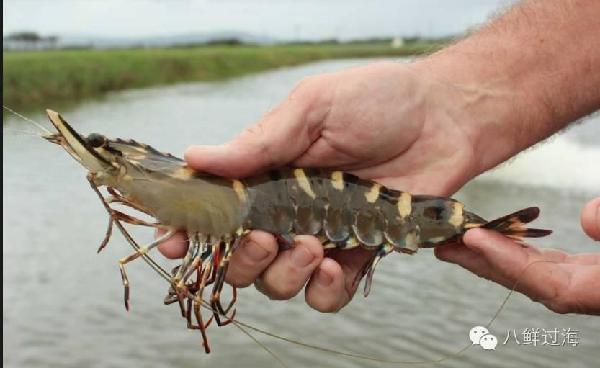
338,217
347,211
309,208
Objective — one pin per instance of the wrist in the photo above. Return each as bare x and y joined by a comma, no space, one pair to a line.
485,111
522,78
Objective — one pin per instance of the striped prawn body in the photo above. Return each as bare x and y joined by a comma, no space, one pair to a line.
346,211
341,209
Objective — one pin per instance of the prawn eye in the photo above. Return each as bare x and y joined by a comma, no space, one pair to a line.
96,140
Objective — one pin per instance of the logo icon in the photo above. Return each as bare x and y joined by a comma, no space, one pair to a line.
488,342
481,336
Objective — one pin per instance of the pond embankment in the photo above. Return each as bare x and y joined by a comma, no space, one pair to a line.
36,79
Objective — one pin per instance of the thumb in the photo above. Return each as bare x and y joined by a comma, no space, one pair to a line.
278,138
502,254
590,219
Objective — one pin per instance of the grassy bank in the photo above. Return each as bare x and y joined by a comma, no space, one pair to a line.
34,79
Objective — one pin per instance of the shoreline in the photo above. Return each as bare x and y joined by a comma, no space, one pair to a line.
35,79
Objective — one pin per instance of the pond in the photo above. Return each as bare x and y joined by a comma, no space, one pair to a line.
63,302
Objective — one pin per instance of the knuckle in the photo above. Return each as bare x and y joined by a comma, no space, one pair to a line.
253,131
309,92
312,245
305,85
282,289
558,306
561,302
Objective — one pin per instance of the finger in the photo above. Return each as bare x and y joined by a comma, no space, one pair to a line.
501,252
286,276
590,219
256,252
465,257
174,247
589,259
326,290
515,266
277,139
333,285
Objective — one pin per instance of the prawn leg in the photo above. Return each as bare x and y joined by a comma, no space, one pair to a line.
104,243
140,252
118,215
107,236
118,198
369,268
215,299
207,276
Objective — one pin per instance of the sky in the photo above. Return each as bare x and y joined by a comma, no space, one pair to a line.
282,19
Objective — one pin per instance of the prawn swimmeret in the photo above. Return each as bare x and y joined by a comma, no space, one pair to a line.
341,209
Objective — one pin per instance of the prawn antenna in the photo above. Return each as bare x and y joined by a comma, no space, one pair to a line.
26,119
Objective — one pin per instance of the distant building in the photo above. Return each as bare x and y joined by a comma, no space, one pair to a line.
397,42
28,41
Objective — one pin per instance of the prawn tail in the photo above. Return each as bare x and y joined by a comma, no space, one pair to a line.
514,225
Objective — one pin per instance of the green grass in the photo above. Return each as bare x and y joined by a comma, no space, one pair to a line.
35,79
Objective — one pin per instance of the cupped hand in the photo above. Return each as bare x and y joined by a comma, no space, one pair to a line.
564,283
384,122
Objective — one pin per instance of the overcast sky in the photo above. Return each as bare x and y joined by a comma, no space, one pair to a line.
282,19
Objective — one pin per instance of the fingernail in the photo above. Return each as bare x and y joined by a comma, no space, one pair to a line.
324,279
255,252
301,257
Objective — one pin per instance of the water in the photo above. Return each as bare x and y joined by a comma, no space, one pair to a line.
63,303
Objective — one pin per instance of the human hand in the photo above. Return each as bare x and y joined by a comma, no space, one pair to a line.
564,283
384,122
